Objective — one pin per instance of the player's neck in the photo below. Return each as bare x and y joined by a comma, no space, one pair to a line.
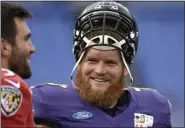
4,64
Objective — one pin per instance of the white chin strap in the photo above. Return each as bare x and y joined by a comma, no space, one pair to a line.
90,43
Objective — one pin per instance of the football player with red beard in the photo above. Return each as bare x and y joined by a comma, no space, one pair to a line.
16,50
106,41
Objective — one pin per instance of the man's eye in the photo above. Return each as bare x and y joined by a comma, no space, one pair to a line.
111,62
92,60
27,37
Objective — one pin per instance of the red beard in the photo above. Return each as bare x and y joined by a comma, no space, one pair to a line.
100,99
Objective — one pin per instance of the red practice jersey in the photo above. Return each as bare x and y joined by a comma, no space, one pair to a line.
16,101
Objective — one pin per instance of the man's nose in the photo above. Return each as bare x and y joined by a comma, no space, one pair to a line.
100,68
32,48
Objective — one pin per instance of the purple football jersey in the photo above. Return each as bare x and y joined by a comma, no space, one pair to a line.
63,106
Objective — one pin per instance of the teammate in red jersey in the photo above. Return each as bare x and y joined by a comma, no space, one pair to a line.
16,50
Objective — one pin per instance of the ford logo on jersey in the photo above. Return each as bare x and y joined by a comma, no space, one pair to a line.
82,115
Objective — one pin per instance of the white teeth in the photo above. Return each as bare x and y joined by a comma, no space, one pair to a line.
99,80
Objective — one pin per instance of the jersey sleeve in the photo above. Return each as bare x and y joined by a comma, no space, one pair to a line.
158,103
165,117
46,98
168,123
165,108
16,101
41,112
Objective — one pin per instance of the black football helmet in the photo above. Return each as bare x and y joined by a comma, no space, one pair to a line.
107,20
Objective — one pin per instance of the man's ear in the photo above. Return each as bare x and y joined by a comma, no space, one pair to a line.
125,71
6,48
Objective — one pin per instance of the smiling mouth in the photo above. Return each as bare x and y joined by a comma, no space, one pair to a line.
99,80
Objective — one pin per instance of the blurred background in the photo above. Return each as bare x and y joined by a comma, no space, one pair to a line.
159,63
